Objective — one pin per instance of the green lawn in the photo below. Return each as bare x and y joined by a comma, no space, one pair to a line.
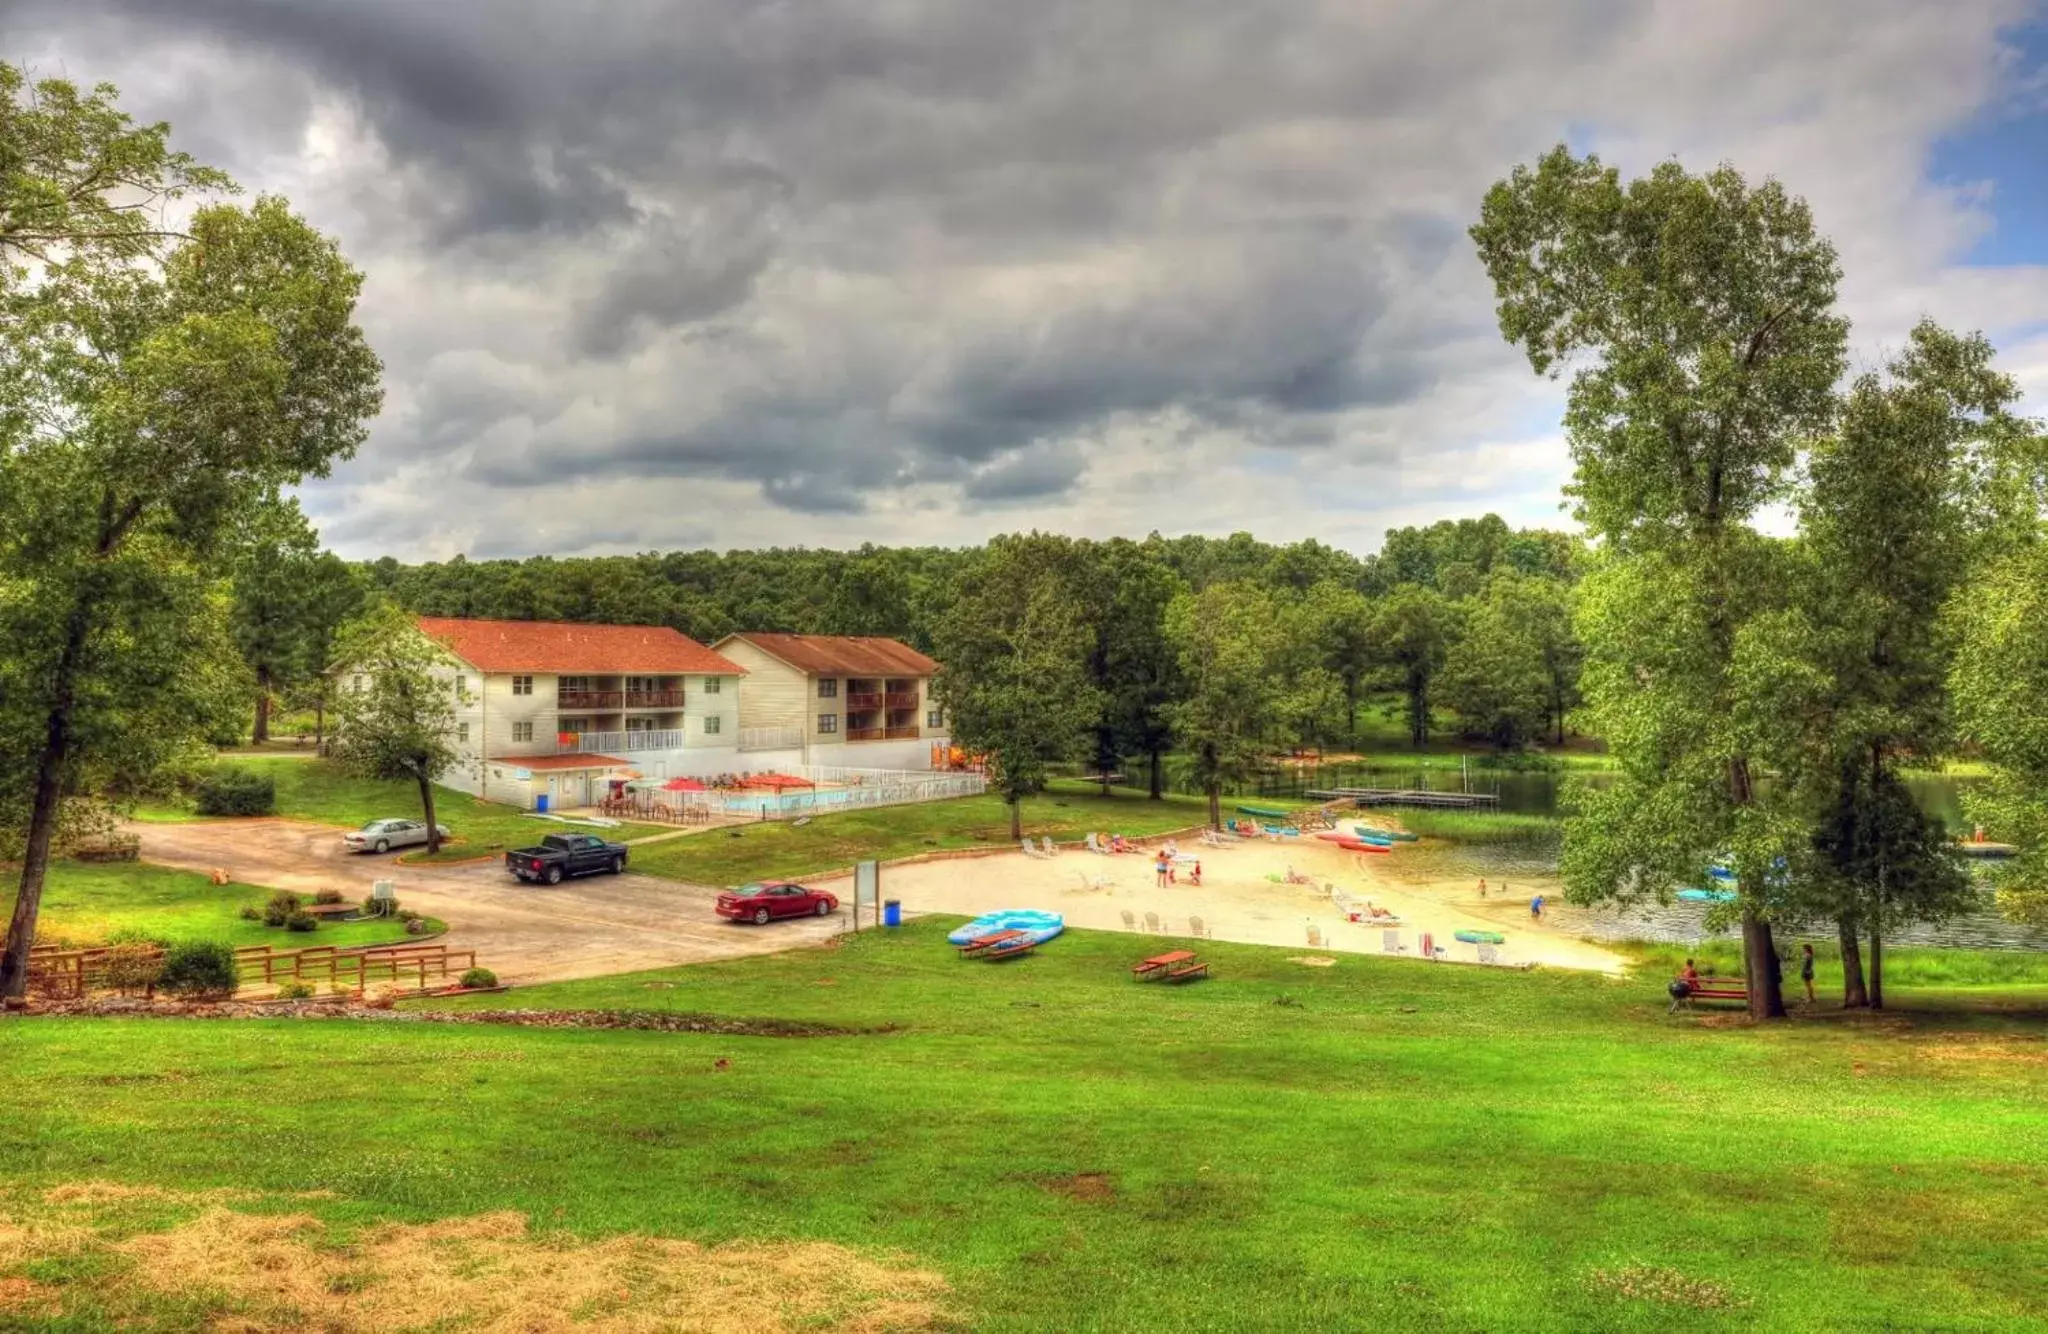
314,789
1069,812
87,903
1378,1144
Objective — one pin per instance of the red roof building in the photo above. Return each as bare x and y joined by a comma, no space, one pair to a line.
573,648
840,655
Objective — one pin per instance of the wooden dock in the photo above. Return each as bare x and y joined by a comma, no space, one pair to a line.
1390,796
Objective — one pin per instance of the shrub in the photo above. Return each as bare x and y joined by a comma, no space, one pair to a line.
251,913
295,991
136,935
416,927
376,907
133,967
478,977
327,896
236,792
408,915
282,905
108,848
302,921
199,968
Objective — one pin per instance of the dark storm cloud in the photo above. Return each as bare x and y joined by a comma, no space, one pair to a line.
840,254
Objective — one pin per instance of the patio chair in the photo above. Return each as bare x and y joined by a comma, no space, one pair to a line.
1095,845
1031,849
1152,923
1315,937
1488,954
1050,850
1091,884
1196,929
1390,942
1130,920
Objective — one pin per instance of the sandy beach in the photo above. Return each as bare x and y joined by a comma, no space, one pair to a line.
1242,897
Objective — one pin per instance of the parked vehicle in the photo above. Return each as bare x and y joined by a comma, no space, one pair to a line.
384,835
560,855
762,900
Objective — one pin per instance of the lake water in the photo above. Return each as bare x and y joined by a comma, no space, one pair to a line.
1537,792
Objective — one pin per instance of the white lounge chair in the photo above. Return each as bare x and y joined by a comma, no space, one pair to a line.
1095,845
1092,883
1050,850
1031,849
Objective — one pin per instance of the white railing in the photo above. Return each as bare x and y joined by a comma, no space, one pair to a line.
844,790
771,738
611,743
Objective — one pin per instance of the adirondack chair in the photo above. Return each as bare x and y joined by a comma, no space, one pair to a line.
1488,954
1095,845
1031,849
1050,850
1390,942
1092,883
1152,923
1130,920
1315,937
1196,929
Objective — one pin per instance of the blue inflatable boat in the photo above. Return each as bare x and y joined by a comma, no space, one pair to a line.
1040,926
1707,895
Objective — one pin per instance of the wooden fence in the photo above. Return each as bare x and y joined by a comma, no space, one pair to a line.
74,974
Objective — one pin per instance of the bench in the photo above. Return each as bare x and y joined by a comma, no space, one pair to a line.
1017,944
990,941
1182,972
1160,965
1714,989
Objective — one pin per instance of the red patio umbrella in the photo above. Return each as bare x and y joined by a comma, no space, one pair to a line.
682,785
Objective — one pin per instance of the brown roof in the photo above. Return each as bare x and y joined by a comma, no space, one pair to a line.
559,761
562,646
841,655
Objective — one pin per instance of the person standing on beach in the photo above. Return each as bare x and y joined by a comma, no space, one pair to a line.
1161,866
1482,886
1536,908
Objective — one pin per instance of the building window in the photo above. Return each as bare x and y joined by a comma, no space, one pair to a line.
462,734
710,685
522,685
522,731
828,722
355,684
828,690
711,725
934,719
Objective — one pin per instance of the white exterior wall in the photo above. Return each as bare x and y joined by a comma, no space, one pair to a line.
699,704
913,755
772,694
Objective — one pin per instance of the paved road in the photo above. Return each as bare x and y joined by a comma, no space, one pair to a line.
525,933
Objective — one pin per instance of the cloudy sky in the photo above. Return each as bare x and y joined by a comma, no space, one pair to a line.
662,273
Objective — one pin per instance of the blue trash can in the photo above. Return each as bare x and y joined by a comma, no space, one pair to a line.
892,912
540,803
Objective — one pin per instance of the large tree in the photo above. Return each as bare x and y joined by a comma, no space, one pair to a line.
1228,716
274,604
1411,633
158,384
2001,696
401,723
1130,663
1699,312
1014,648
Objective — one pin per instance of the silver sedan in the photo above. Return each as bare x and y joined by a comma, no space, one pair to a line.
384,835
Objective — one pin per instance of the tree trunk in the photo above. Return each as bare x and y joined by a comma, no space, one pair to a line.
320,723
1351,710
1759,957
427,804
1105,756
1854,997
260,733
1876,968
42,821
1158,792
1215,806
1016,817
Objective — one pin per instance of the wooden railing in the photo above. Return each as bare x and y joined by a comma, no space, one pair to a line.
863,699
654,699
901,699
590,699
881,733
73,974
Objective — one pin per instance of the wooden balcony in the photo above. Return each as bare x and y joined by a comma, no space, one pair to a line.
654,699
590,699
901,699
881,733
863,700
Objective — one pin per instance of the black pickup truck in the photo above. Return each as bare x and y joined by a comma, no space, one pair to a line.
560,855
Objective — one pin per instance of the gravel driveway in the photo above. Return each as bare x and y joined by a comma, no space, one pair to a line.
587,927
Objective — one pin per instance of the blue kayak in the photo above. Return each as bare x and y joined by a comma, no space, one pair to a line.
1707,895
1367,834
1040,926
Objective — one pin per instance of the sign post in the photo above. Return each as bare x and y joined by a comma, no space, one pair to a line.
867,890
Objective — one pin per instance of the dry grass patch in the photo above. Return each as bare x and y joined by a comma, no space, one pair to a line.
1669,1287
485,1273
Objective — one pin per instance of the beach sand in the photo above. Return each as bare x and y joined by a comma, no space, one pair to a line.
1240,900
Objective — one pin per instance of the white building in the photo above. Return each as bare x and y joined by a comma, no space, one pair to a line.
861,702
547,710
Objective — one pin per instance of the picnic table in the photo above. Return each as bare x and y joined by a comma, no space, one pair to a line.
1174,965
989,941
1712,988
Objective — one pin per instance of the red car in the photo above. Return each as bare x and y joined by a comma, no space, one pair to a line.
764,899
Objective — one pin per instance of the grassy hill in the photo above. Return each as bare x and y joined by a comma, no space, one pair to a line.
1373,1144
